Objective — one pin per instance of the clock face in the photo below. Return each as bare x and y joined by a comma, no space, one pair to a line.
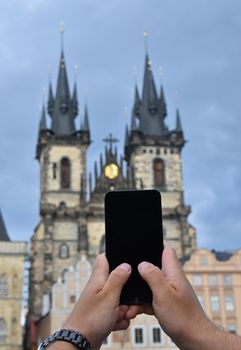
111,171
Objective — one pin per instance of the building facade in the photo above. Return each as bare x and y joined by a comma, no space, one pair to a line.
72,203
13,290
216,279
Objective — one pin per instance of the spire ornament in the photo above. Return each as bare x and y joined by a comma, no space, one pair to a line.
145,35
61,30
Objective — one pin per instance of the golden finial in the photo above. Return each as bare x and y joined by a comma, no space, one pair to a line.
61,29
145,41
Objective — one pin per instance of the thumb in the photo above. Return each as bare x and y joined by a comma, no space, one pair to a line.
152,275
117,279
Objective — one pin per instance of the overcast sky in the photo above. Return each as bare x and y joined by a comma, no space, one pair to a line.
198,45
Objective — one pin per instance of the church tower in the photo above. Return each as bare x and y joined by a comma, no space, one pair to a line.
61,152
153,156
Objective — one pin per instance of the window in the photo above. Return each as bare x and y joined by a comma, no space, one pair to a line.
203,260
229,303
158,170
54,170
65,173
215,303
63,251
212,280
3,286
72,299
138,336
156,335
197,280
227,280
3,330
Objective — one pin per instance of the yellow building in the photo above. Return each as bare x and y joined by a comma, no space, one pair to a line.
216,278
12,307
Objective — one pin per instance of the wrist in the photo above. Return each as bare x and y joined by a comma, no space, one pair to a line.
85,330
198,337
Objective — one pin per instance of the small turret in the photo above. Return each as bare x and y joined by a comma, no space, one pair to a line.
178,122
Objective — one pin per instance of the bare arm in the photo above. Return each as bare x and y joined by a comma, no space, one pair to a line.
97,312
178,310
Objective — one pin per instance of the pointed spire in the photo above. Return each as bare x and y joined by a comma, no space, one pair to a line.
96,172
178,122
42,123
149,96
137,103
126,136
63,86
62,117
74,101
3,231
101,162
163,105
90,184
86,120
133,122
50,101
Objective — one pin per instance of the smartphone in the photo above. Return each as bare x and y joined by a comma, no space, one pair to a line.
133,233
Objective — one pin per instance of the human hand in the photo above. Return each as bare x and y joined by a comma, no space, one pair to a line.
97,312
174,302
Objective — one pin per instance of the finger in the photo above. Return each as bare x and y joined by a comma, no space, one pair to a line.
100,272
152,275
116,280
122,312
135,310
171,266
122,325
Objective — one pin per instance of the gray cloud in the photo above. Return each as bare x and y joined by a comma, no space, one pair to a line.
197,44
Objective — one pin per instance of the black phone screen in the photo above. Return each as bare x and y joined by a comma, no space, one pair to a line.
133,226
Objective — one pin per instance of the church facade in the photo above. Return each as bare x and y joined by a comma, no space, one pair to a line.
72,203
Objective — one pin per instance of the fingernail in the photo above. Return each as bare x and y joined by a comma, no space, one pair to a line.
125,267
143,265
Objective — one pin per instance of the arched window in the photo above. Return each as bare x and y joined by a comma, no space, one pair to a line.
159,173
3,285
65,173
64,251
3,330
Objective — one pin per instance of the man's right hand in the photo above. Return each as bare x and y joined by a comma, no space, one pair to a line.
175,303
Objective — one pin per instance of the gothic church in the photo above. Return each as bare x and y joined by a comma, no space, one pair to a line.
72,203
